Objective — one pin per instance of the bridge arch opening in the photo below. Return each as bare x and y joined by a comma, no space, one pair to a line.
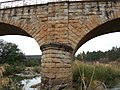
14,34
26,43
107,58
101,43
106,28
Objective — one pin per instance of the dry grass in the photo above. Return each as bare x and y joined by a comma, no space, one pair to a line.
3,80
85,75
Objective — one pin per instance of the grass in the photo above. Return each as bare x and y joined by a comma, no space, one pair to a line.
8,83
87,76
3,80
37,69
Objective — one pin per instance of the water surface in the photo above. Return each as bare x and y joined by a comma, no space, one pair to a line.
27,83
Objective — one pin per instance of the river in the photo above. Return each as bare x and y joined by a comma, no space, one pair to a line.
117,87
22,83
27,83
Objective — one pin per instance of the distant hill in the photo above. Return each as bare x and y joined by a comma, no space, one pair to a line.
34,57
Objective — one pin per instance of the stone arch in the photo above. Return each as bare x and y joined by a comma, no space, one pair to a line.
23,27
105,28
15,29
7,29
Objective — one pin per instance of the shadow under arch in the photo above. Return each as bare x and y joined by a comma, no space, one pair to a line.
105,28
7,29
12,30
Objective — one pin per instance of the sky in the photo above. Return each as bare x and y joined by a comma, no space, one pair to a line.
104,42
30,47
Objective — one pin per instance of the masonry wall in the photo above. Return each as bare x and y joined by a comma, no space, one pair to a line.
65,22
58,27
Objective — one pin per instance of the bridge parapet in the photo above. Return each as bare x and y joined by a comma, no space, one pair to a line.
18,3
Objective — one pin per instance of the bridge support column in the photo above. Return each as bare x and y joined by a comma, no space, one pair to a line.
56,66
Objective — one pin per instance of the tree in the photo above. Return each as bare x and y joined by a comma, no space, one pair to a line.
10,53
110,55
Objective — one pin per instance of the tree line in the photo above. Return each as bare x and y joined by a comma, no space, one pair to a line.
110,55
15,59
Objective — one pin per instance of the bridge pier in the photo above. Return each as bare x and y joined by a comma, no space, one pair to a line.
56,66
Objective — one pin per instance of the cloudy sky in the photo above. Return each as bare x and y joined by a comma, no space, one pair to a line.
30,47
103,43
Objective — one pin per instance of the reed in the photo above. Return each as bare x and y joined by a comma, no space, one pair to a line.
94,76
3,80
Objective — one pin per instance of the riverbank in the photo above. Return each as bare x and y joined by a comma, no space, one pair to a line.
30,72
18,81
85,75
95,76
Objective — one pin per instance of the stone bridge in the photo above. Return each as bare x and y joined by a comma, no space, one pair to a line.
60,28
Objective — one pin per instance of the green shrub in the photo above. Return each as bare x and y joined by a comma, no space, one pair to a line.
89,72
37,69
12,69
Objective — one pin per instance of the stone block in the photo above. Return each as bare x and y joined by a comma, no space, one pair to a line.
51,65
58,22
48,75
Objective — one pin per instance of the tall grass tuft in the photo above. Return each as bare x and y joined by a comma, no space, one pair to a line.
94,76
3,80
6,83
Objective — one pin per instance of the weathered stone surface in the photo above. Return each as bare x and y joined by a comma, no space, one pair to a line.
60,28
56,63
